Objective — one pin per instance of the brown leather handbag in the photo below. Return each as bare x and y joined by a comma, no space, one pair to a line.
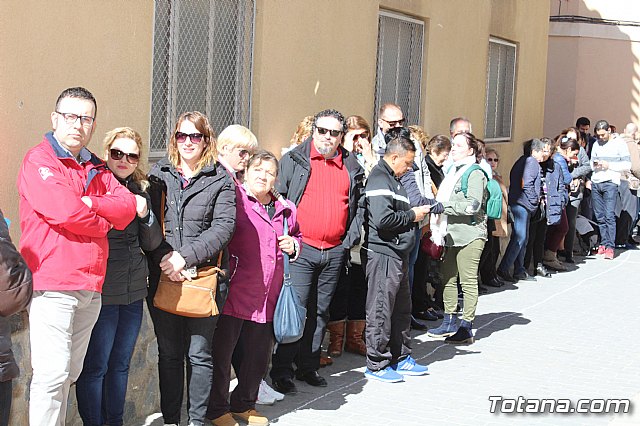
195,298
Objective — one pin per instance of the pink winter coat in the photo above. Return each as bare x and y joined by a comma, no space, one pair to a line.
255,260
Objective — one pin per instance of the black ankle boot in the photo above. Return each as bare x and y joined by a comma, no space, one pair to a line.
464,335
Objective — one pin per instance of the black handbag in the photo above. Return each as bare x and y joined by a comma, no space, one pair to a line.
289,316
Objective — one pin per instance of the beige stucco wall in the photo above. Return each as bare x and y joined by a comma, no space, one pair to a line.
593,69
323,54
46,47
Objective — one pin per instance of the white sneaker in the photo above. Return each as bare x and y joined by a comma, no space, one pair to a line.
264,398
271,391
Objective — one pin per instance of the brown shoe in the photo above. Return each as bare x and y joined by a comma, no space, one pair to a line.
252,418
336,337
325,361
355,337
225,420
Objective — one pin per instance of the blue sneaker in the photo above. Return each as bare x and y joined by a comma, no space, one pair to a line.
409,367
386,375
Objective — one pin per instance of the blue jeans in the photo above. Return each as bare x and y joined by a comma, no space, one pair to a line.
514,254
603,197
102,385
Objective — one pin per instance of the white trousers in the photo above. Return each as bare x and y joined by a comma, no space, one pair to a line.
60,324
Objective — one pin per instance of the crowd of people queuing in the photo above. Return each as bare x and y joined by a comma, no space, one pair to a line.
385,229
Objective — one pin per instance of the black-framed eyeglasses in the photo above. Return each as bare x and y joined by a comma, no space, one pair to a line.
395,123
493,160
71,119
333,133
117,155
193,137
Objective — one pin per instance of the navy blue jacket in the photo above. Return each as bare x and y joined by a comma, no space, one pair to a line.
524,188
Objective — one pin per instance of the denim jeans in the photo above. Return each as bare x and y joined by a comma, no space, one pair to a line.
181,338
514,254
315,277
102,386
603,197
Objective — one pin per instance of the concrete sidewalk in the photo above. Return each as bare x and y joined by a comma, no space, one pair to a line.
573,336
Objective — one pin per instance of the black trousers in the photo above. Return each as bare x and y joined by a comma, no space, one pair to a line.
351,295
489,258
388,309
250,364
535,245
315,277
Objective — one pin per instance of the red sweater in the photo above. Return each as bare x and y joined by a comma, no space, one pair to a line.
324,207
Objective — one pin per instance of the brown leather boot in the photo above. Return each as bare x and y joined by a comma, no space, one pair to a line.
336,337
355,337
325,361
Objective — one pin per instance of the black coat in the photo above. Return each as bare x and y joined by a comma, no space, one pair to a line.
199,219
127,272
293,176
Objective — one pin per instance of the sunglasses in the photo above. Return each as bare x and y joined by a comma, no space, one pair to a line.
117,155
333,133
394,123
194,137
493,160
360,136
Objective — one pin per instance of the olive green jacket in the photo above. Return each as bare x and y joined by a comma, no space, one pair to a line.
466,215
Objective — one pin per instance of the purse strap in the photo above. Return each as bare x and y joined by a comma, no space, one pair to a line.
287,275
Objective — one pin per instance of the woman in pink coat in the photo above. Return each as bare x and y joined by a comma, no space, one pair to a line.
256,269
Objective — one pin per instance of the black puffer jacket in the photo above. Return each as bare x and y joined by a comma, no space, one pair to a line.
16,288
199,219
126,279
293,176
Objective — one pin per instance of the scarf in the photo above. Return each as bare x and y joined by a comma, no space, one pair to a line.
439,221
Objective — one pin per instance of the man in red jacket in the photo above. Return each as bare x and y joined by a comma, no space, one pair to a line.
69,200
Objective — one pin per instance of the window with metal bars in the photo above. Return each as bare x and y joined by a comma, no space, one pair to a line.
399,67
501,76
202,56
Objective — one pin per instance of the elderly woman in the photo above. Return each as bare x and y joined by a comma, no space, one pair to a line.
496,228
256,253
102,385
235,145
462,229
196,202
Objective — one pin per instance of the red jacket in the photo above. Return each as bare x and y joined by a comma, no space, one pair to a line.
64,242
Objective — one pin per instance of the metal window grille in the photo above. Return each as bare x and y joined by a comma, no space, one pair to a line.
501,73
202,57
399,67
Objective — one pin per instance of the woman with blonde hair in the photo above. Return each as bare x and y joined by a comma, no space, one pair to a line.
102,385
195,202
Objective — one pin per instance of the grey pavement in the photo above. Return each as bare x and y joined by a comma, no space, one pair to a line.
573,336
